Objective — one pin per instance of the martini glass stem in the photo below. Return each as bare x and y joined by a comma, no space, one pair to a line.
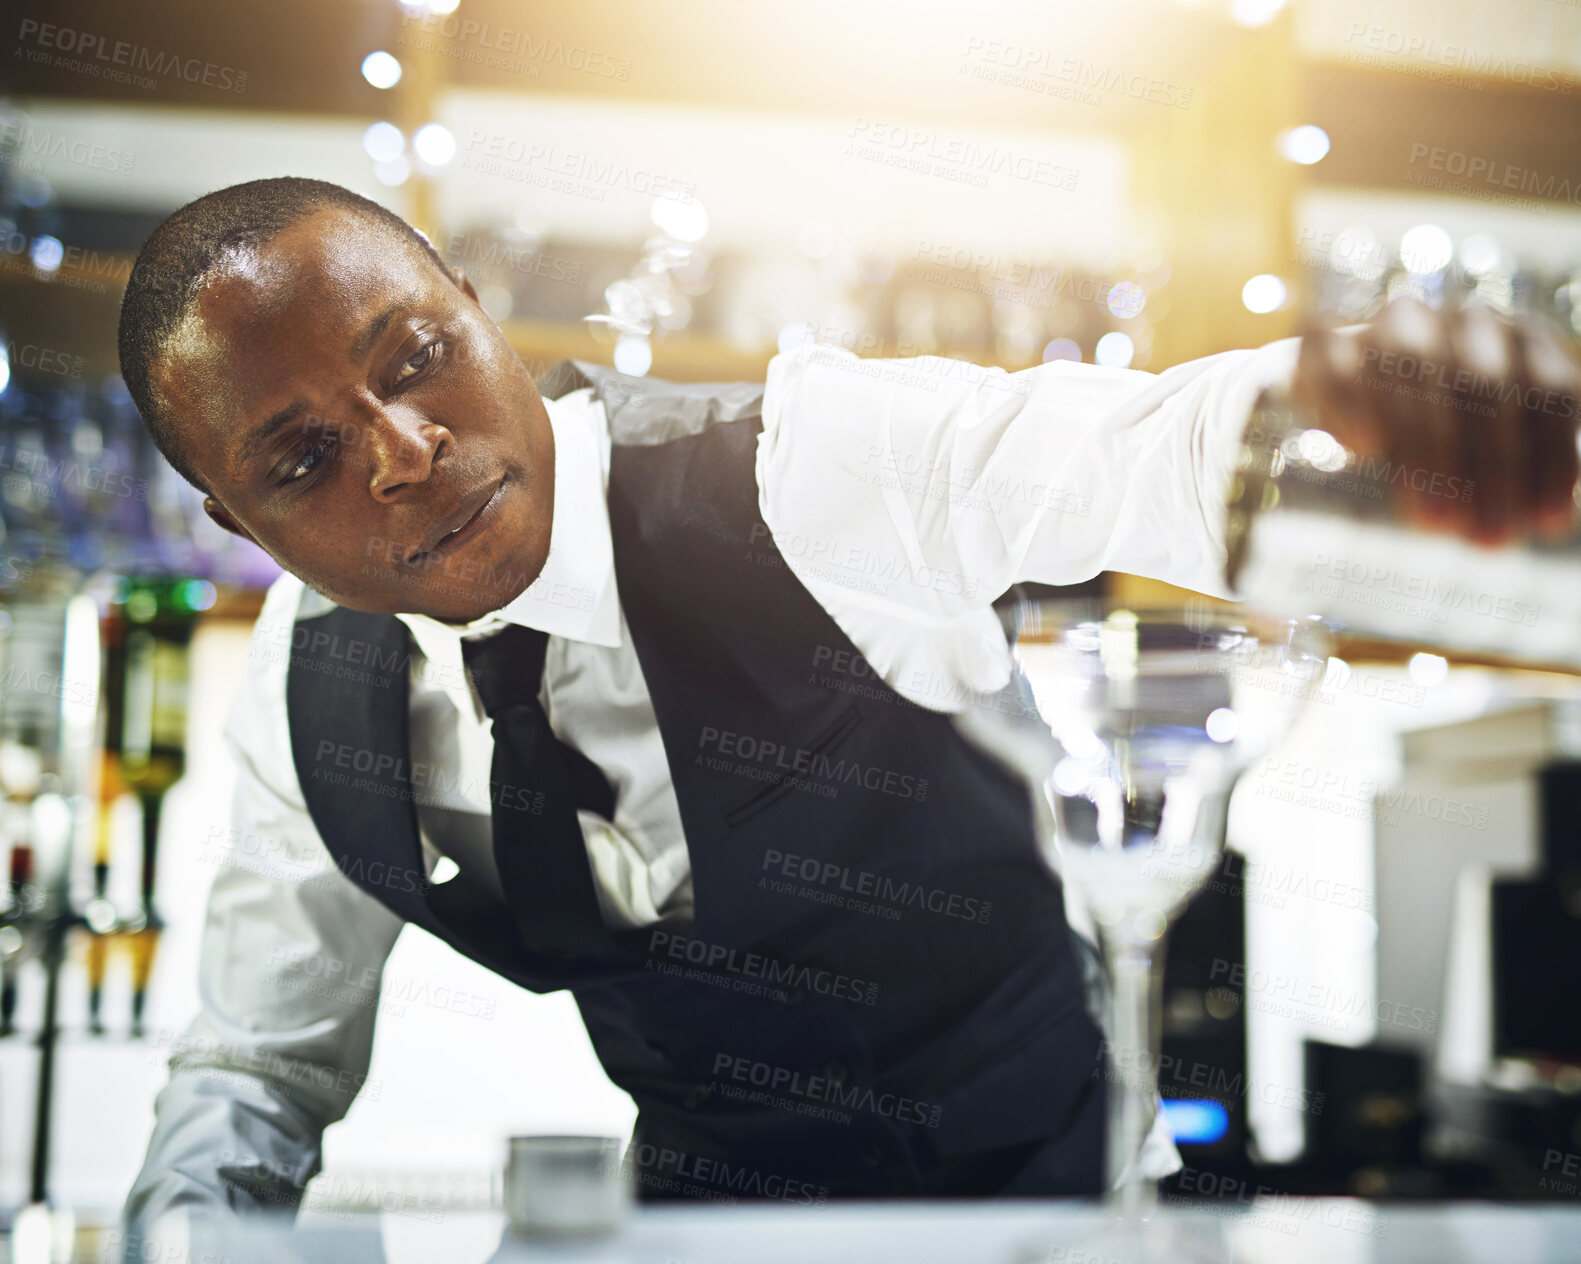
1133,1050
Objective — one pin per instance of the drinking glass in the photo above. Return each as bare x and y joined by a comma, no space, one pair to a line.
1138,725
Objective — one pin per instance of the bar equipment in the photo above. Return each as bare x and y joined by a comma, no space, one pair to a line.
47,713
20,904
1478,917
1143,722
566,1187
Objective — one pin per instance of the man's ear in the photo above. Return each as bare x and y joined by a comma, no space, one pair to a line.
222,516
464,283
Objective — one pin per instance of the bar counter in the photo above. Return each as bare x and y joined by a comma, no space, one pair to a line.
1269,1231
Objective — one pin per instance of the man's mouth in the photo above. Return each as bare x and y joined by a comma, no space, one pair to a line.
471,518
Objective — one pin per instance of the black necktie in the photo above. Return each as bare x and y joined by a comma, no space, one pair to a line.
537,784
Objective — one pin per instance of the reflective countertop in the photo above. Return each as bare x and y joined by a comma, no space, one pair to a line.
1267,1231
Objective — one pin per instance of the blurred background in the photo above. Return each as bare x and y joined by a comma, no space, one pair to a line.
683,190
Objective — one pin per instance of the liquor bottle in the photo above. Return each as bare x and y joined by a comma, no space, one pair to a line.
1316,529
100,917
159,617
19,891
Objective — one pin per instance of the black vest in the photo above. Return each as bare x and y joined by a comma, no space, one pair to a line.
878,978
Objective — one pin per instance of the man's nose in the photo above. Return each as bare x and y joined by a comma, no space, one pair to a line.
404,444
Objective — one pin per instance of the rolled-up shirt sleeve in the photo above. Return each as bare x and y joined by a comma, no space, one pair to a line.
908,495
290,969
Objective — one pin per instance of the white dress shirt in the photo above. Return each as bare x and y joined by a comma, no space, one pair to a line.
593,692
906,495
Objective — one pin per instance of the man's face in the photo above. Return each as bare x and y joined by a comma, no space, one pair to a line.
352,409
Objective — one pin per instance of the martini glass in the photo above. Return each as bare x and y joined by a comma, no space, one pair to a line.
1143,722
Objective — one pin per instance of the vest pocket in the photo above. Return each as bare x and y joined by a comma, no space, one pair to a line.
824,743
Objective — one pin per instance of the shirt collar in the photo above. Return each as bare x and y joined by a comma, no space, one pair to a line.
574,595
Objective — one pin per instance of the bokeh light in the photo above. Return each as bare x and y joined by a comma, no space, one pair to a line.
1305,145
1264,293
434,144
1426,249
383,141
381,70
633,356
1115,350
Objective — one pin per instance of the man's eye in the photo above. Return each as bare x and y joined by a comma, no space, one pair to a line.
416,362
310,459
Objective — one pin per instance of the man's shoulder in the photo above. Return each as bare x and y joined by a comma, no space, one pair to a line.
647,411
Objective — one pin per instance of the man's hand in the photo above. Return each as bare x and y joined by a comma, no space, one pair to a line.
1476,416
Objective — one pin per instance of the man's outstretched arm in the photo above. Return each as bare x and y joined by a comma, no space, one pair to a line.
291,964
908,495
